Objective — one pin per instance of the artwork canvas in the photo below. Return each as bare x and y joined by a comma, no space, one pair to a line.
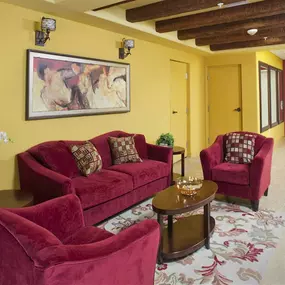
63,86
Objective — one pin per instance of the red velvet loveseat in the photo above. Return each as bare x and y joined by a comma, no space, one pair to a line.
48,170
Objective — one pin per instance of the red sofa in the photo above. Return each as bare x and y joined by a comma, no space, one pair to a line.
49,244
48,170
248,181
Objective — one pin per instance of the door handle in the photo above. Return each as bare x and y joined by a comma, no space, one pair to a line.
237,109
174,112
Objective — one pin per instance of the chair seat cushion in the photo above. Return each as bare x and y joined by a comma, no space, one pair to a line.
144,172
87,235
231,173
101,186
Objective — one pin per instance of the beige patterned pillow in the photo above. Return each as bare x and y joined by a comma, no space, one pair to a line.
123,150
87,158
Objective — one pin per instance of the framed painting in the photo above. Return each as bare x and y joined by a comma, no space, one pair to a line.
63,86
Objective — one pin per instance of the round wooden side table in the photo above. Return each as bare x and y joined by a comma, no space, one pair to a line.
15,199
178,150
187,234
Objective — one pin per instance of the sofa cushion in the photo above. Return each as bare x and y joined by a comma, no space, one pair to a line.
87,235
124,150
87,158
231,173
102,186
58,158
144,172
240,148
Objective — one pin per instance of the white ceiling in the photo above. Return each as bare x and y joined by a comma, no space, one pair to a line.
279,53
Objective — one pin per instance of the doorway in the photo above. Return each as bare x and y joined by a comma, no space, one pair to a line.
179,105
225,100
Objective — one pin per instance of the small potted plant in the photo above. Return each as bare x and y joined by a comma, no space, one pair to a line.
4,137
165,140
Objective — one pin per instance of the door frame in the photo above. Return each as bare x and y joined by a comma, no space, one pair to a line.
188,98
207,111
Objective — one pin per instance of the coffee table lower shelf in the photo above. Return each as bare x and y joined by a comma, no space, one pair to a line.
186,236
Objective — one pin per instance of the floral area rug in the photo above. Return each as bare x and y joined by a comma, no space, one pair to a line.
241,245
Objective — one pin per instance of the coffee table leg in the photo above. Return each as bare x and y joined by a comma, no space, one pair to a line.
160,248
207,225
182,164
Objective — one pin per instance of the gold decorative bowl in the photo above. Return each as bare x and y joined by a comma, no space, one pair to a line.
189,185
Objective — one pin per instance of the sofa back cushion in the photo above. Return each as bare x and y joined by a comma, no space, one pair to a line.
259,140
57,157
102,145
100,142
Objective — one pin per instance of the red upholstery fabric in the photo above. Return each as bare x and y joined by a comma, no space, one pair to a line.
144,172
46,184
31,255
259,170
231,173
100,212
101,186
87,235
62,218
58,158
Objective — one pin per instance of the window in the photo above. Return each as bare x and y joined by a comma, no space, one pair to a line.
271,99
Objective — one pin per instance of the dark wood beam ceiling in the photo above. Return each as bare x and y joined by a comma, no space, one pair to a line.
169,8
242,37
223,29
239,45
245,12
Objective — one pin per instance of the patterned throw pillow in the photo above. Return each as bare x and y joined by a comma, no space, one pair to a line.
87,158
123,150
240,148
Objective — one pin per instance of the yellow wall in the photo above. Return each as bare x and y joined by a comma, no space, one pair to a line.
269,58
250,86
150,90
248,76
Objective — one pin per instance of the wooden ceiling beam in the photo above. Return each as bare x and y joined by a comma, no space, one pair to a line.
221,16
248,44
169,8
219,30
242,36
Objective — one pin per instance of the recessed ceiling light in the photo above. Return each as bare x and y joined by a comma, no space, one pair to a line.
252,32
221,4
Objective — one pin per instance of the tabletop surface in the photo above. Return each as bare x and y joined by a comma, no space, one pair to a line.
173,201
15,199
178,150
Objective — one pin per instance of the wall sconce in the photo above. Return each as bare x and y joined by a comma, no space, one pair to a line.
125,50
47,25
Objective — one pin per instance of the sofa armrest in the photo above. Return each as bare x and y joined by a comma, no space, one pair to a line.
160,153
44,183
260,169
211,157
130,255
62,216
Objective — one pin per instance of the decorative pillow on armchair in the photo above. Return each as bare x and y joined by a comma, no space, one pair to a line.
123,150
240,148
87,158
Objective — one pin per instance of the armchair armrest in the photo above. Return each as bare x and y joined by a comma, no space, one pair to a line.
130,255
44,183
62,216
260,169
211,157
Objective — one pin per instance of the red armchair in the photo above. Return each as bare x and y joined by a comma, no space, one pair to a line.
49,244
248,181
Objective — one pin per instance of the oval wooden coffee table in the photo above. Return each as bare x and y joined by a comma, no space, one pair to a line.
188,234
